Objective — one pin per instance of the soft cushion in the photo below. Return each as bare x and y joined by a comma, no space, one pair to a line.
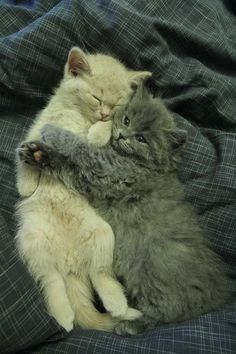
189,46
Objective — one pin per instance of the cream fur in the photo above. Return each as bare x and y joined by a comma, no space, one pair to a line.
67,247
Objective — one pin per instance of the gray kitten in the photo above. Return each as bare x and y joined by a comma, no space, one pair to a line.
161,256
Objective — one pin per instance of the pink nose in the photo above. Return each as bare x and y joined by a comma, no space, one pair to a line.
104,115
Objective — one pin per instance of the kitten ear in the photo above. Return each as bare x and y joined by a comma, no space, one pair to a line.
137,77
177,139
77,62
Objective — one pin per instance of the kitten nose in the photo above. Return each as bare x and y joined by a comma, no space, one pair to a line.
104,115
121,136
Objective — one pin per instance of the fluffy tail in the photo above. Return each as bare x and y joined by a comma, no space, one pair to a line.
86,315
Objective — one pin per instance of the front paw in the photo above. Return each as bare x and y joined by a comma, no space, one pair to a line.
35,153
99,133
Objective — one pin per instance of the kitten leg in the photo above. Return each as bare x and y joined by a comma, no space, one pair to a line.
86,315
35,250
57,301
137,326
108,288
111,293
37,154
126,327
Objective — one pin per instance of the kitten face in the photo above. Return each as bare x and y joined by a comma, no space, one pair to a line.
97,84
97,98
144,129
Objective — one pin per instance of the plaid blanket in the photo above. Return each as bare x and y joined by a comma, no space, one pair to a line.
190,46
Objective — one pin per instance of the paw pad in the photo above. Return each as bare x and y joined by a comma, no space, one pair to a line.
38,155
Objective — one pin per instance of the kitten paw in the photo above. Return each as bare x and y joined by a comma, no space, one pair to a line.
65,320
35,153
125,327
132,314
99,133
116,307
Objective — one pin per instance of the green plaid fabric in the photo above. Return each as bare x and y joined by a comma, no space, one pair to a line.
190,46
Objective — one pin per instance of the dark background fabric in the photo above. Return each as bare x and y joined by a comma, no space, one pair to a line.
190,46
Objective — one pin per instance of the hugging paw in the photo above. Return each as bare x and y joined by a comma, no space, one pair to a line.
35,153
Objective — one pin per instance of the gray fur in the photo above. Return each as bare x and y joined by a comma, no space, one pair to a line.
161,256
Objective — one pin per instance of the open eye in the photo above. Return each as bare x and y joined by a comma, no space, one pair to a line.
140,138
126,121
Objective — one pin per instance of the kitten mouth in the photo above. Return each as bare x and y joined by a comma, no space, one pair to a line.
121,146
106,119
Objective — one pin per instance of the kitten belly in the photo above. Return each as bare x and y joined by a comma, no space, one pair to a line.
58,223
54,223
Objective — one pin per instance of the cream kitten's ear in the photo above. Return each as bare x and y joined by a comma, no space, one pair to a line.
136,77
77,62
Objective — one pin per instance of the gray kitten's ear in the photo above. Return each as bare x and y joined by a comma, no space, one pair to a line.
77,62
137,77
177,139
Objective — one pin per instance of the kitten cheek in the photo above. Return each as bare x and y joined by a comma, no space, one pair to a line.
96,115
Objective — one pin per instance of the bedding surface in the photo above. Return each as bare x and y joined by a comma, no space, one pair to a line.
190,46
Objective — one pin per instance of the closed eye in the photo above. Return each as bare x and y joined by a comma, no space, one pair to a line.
96,98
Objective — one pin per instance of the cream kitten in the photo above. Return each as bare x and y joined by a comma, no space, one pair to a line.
66,245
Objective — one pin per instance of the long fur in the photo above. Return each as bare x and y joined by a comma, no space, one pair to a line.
161,256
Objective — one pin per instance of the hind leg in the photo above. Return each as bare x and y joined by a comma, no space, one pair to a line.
134,327
34,248
107,286
86,315
57,300
111,294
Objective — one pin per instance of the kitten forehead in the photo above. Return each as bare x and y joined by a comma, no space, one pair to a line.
105,85
102,63
108,94
146,111
109,74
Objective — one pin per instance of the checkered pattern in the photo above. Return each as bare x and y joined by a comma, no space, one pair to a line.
190,46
